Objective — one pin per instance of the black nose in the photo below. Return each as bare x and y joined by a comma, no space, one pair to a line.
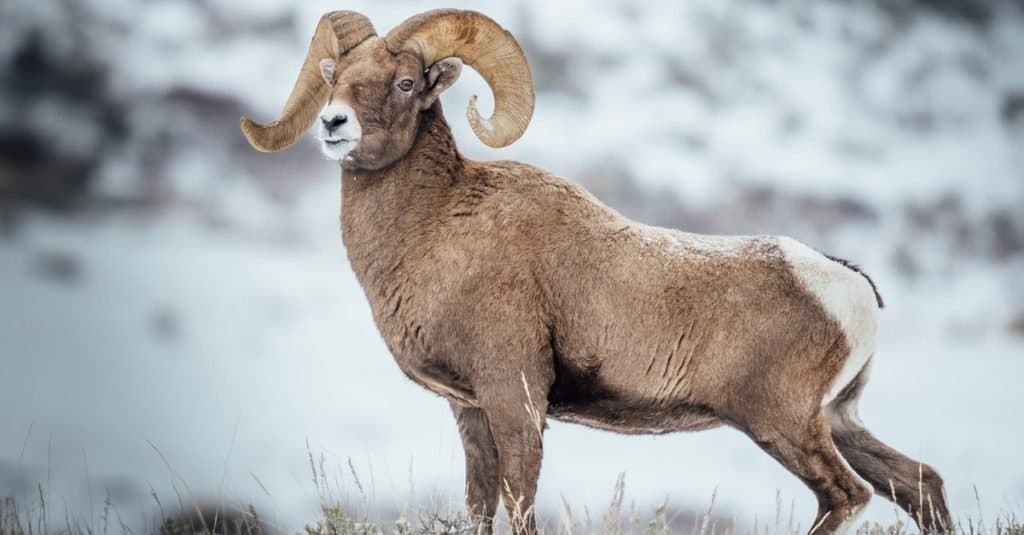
333,122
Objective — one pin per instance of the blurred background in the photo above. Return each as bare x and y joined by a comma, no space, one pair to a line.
178,316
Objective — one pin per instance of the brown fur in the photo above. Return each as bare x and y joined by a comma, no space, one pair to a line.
515,294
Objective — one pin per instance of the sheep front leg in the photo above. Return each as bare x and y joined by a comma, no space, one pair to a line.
481,466
516,414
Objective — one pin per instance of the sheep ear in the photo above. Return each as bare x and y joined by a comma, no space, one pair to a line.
441,76
327,70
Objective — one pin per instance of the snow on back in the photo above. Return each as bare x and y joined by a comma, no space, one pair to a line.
678,244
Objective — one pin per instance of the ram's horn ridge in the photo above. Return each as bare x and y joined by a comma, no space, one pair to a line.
484,45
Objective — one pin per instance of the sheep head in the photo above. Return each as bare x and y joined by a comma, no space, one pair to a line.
365,92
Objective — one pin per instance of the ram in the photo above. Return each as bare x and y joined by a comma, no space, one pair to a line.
518,296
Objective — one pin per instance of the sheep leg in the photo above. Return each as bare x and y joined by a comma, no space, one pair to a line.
517,425
915,487
481,466
804,446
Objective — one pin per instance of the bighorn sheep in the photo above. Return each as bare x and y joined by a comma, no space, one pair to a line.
517,295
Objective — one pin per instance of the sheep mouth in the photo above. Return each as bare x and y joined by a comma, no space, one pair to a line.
339,141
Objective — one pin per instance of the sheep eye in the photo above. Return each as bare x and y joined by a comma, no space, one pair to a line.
406,85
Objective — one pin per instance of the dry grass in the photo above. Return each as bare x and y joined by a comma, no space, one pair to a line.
358,514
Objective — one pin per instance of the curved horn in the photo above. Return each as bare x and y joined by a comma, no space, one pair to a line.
484,45
337,33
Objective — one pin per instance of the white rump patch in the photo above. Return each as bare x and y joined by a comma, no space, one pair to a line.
846,296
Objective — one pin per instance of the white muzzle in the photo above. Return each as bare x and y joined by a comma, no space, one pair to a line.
338,130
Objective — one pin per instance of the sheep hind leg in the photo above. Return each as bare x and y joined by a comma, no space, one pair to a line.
481,467
802,444
915,487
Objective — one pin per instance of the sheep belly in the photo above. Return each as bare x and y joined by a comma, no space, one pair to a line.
580,396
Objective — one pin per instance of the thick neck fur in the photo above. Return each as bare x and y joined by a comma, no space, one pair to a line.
397,205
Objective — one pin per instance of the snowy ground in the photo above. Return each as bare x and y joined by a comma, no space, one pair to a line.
225,329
